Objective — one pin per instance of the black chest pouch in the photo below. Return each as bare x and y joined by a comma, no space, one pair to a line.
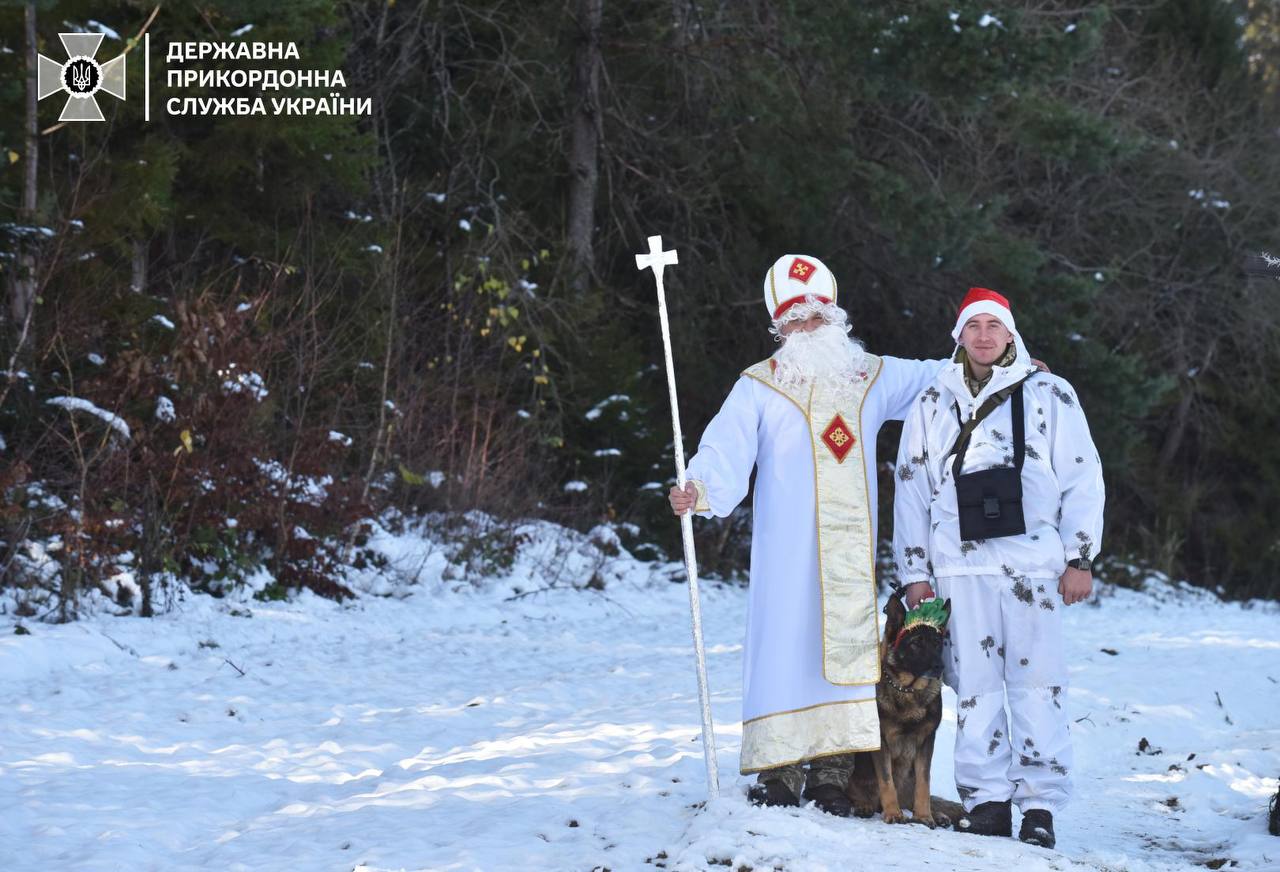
990,501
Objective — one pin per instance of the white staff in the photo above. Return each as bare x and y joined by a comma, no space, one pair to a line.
657,260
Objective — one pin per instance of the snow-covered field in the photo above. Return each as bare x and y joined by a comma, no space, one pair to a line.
448,727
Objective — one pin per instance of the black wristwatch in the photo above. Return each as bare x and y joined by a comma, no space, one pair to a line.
1081,563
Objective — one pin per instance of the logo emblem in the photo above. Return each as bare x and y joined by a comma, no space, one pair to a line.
801,270
839,438
81,77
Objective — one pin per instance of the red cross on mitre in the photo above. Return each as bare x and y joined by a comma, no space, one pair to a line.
801,270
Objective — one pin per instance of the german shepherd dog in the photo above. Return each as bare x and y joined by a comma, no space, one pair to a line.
909,699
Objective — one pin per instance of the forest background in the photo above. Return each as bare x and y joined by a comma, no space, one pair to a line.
230,341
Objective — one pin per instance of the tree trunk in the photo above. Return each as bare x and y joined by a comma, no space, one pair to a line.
584,171
22,301
686,29
138,284
1177,428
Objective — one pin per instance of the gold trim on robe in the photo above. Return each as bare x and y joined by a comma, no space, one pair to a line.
806,734
846,549
701,504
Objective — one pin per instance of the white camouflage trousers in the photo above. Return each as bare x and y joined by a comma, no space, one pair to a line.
1005,641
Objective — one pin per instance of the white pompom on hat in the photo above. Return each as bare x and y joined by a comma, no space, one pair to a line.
792,278
984,301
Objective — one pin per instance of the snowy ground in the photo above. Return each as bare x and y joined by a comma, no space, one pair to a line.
453,729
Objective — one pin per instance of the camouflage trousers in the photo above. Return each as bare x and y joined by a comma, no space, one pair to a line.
1004,645
835,770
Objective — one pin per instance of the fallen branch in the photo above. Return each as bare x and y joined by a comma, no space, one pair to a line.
124,648
525,593
1225,716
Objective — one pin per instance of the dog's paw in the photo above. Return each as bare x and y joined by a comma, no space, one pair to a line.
925,821
893,816
941,820
864,811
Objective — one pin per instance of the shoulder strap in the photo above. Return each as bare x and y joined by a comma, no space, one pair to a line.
992,403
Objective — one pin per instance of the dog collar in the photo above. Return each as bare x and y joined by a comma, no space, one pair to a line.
899,688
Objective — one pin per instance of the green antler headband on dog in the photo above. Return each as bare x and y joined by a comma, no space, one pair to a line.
930,613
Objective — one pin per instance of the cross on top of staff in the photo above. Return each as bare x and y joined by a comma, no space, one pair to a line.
656,259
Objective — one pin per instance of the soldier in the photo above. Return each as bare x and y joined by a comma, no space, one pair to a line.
999,502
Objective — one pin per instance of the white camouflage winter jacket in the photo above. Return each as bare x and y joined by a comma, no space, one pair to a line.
1061,478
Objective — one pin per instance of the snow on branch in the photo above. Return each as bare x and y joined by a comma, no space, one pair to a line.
75,404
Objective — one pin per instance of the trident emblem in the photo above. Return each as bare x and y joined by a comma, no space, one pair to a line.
81,77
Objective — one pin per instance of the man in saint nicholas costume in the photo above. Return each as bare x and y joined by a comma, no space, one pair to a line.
806,419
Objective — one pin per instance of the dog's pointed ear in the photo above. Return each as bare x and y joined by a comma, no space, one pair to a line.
897,613
946,607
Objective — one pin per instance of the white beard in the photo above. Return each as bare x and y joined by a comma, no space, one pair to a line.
826,354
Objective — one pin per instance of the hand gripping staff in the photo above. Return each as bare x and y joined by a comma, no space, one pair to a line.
657,260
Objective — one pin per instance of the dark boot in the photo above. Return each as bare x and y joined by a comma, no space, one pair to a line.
830,798
1037,828
988,819
771,792
825,783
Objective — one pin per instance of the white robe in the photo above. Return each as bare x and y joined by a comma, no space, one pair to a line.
783,657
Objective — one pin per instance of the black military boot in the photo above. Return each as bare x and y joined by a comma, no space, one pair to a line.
771,792
988,819
830,798
1037,828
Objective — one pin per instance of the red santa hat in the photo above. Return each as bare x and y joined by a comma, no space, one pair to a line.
792,278
983,301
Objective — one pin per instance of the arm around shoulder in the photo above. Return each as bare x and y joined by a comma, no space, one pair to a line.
904,379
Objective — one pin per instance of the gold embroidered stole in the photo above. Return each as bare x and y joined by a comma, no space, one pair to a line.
846,550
